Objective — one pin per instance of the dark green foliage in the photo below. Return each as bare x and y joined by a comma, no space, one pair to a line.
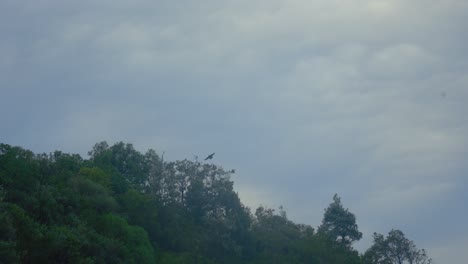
395,249
339,224
133,241
122,206
8,236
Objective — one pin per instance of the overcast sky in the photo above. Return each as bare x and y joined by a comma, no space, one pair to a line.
304,98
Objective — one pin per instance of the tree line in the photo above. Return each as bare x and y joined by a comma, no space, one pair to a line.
124,206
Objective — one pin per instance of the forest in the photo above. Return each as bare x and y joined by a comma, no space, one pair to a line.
124,206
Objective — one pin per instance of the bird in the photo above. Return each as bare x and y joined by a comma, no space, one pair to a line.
210,156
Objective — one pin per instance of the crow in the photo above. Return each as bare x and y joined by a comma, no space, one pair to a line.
210,156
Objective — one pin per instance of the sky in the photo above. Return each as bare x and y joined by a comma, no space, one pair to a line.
304,98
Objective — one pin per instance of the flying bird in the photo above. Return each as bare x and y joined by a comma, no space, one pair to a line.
210,156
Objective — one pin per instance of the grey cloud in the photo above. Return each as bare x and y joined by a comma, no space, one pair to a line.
303,98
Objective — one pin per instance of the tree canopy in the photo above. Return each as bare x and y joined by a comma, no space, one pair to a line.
339,224
395,249
124,206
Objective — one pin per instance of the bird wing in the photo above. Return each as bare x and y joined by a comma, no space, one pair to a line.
209,156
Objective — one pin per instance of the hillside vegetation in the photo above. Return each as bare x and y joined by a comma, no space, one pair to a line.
123,206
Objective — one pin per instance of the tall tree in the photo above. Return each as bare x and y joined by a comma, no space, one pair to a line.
395,249
339,224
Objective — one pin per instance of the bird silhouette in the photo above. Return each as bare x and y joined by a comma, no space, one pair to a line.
210,156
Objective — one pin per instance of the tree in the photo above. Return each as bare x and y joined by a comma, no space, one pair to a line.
275,237
395,249
123,206
133,241
339,224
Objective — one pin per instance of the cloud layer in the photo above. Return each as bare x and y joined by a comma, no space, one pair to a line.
303,98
